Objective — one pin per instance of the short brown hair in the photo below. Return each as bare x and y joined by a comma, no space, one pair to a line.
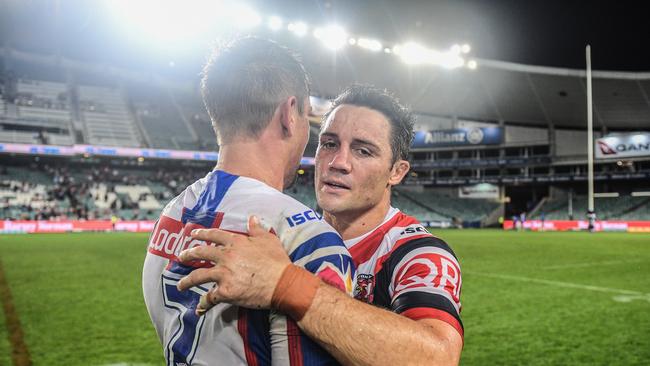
399,117
244,82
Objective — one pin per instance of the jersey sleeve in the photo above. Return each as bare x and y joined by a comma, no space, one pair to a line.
315,246
425,281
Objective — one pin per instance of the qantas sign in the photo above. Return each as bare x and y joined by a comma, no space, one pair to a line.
624,145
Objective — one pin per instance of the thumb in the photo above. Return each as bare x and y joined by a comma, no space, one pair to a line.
255,228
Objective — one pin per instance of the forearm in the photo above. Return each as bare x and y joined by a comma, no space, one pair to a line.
360,334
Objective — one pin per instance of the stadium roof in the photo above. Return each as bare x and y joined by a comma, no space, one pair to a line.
500,91
496,91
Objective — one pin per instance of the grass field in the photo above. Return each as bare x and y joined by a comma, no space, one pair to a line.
528,298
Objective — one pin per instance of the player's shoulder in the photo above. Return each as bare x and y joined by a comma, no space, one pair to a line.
186,198
284,213
409,235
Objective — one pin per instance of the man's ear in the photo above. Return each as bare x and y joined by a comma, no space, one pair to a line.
398,171
288,113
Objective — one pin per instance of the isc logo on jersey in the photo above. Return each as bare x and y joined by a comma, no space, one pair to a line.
414,230
302,217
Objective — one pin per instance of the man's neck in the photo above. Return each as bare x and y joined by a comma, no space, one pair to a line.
253,159
354,224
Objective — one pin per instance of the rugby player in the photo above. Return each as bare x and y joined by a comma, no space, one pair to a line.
412,277
257,95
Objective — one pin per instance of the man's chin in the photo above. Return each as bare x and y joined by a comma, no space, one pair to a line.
331,204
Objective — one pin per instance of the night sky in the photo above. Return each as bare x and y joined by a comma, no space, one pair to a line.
546,33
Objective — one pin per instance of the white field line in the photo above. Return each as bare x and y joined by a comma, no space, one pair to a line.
592,264
559,284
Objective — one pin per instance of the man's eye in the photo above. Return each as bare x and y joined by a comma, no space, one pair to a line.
364,152
328,144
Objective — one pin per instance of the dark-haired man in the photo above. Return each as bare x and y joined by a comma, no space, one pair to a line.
411,276
257,95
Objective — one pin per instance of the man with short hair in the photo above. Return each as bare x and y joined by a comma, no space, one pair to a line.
364,144
257,95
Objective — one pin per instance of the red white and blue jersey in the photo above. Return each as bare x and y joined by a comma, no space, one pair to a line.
404,268
227,334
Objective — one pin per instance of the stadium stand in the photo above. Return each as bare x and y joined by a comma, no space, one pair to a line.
55,192
608,208
538,111
36,112
467,210
198,118
19,137
163,124
106,117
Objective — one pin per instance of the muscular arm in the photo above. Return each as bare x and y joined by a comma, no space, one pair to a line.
248,269
357,333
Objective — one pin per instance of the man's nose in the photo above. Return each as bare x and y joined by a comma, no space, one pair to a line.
341,161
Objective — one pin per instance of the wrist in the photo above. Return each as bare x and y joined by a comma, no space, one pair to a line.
295,291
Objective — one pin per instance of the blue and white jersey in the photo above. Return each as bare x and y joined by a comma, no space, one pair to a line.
227,334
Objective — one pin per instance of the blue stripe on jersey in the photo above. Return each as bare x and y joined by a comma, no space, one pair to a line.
259,336
213,193
180,268
341,261
328,239
183,270
313,354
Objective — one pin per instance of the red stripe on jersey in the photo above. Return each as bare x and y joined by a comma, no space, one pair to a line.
170,237
431,313
242,327
295,350
366,248
218,218
383,258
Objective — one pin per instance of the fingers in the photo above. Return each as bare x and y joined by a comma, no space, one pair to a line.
204,305
208,301
203,252
255,227
198,277
216,236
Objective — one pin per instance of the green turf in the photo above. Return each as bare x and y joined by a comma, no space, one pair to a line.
5,350
511,321
79,298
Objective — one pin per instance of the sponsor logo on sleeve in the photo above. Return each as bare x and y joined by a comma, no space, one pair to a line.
303,217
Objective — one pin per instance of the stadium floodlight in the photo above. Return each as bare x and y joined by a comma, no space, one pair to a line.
456,49
415,54
352,41
275,23
387,50
465,48
472,65
299,28
448,60
412,53
333,37
165,20
370,44
244,16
